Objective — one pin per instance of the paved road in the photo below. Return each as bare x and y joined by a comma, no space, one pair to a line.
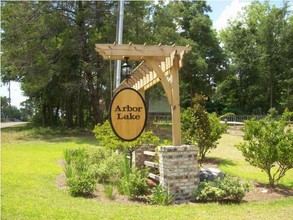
11,124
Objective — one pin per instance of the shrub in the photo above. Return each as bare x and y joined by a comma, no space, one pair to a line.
201,128
160,196
68,170
209,192
107,138
135,183
85,167
229,188
82,184
109,191
269,146
79,180
234,189
109,170
67,155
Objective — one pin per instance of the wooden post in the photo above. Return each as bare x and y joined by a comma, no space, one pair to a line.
172,92
175,108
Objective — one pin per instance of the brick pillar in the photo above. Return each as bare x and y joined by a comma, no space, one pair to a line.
179,170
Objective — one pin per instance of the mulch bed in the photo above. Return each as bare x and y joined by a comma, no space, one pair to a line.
263,192
259,193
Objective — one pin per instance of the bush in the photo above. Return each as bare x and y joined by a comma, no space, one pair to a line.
269,146
109,170
229,188
160,196
107,139
109,191
85,167
79,180
135,183
209,192
82,184
234,189
201,128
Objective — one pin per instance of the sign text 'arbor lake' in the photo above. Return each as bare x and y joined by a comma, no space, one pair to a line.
128,114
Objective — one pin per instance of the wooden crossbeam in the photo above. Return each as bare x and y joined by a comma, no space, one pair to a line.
136,51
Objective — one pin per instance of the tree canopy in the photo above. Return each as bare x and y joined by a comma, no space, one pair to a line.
259,47
49,48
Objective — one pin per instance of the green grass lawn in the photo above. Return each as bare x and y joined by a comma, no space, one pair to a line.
30,168
232,162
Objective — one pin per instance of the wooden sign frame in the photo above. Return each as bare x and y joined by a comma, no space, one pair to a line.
159,63
128,118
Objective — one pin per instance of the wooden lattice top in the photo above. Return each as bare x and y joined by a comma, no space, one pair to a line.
137,51
143,76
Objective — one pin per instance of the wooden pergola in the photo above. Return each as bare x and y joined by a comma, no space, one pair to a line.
158,63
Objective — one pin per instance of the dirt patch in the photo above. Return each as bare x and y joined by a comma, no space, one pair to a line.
61,181
262,192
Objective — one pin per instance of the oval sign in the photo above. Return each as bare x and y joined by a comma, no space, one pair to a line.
128,114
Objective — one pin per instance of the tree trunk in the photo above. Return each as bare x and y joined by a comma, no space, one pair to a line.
86,67
94,97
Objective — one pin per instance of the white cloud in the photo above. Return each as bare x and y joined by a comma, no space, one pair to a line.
230,12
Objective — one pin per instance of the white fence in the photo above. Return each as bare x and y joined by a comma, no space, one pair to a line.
231,118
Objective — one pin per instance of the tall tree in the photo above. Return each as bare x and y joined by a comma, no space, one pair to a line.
49,47
136,22
204,66
258,46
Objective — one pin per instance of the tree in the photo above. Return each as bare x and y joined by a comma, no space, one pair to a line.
182,23
269,146
136,22
201,128
257,44
27,110
204,66
287,95
49,48
8,111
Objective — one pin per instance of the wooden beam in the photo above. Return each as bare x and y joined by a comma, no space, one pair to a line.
136,51
166,85
175,108
143,69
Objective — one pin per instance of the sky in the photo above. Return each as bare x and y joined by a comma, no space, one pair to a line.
222,11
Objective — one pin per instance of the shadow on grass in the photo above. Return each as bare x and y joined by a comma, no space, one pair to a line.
17,128
215,162
220,202
54,135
